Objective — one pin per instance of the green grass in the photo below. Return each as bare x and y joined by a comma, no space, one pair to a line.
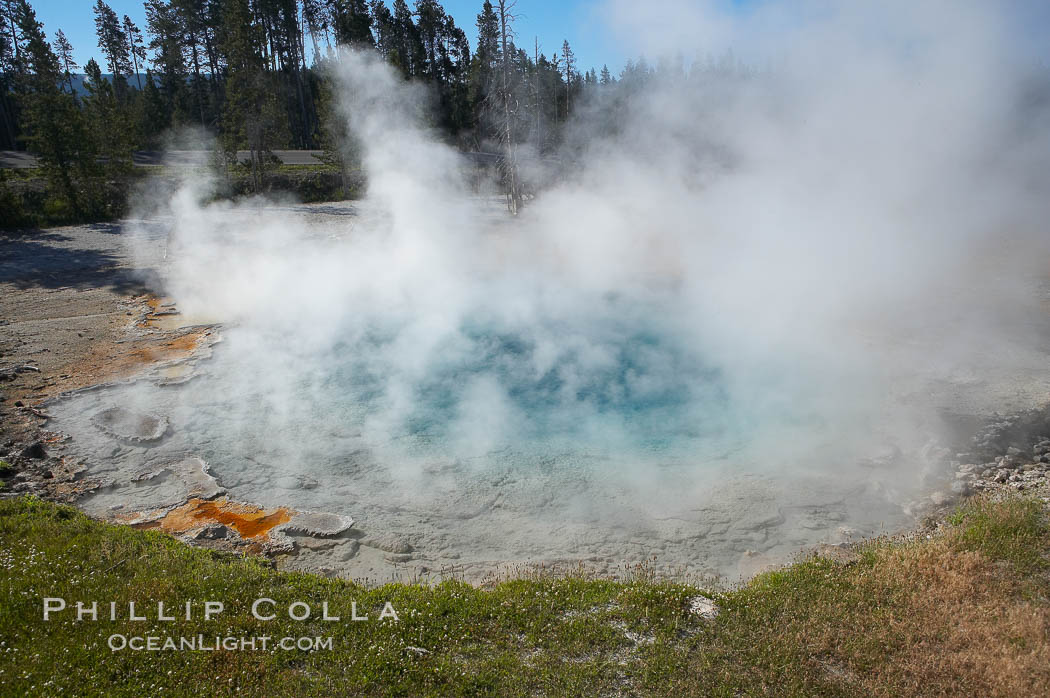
14,173
964,613
299,169
1011,530
27,201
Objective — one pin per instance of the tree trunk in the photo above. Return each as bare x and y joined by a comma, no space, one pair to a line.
536,88
135,63
300,59
510,165
197,77
5,113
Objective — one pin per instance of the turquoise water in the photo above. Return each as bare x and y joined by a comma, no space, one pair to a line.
645,384
621,381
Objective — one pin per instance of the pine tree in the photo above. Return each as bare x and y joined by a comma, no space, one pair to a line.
113,42
606,77
384,29
164,25
64,53
9,74
200,23
153,113
455,71
316,19
192,21
550,91
509,161
340,147
570,69
107,120
352,23
485,65
488,36
283,49
430,20
53,127
250,115
409,47
135,48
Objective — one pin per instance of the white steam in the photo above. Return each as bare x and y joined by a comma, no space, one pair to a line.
804,262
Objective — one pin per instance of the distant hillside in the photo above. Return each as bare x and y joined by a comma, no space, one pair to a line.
80,80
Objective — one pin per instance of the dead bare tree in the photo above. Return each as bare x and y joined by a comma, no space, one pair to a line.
537,103
509,163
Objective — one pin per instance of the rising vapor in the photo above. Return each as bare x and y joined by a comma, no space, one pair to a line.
756,281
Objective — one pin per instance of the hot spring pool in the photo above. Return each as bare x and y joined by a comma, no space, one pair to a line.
476,407
602,440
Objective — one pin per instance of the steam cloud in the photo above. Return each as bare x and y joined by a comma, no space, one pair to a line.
798,263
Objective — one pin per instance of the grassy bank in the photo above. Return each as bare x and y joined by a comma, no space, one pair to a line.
27,200
965,612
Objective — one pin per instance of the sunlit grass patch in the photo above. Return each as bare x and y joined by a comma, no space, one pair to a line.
1013,529
964,613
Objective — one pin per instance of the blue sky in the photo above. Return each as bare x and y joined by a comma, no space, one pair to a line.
552,22
580,21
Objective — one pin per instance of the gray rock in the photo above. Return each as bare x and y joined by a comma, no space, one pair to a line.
315,523
147,474
940,498
316,543
199,483
348,550
703,607
213,531
839,554
136,427
387,543
35,451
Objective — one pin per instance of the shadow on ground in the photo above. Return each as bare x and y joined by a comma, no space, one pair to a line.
111,228
41,259
330,210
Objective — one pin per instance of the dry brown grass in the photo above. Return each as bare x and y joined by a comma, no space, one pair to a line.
965,625
965,613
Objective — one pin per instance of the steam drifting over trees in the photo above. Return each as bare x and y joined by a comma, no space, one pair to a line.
254,74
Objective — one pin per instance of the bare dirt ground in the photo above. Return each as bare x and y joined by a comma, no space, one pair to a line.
74,312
